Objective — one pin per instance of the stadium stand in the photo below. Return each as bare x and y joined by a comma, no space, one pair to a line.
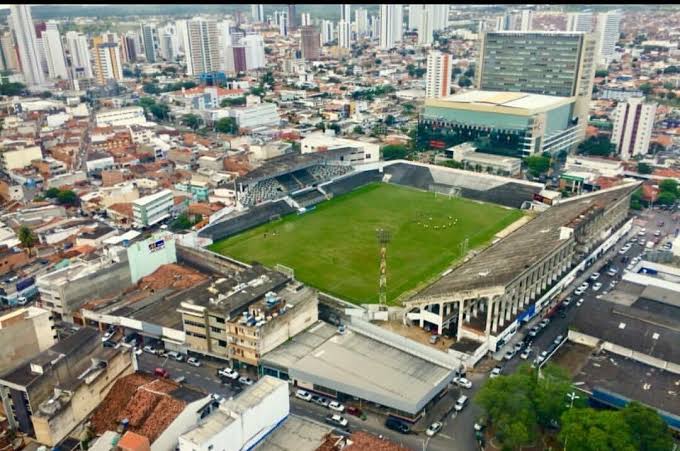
254,216
410,175
304,178
288,182
262,191
309,198
327,172
510,194
351,182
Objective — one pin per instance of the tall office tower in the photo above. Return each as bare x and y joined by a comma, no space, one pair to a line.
374,27
344,34
526,20
414,13
327,31
580,22
149,35
203,52
439,16
54,52
239,58
283,27
361,19
607,30
425,26
391,25
106,60
550,63
292,18
257,13
633,124
346,12
133,46
438,76
22,23
76,43
253,44
169,44
311,43
305,19
42,56
8,50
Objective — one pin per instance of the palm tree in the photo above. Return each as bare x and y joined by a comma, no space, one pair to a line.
27,238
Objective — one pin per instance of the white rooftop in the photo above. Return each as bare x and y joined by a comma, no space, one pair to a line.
506,99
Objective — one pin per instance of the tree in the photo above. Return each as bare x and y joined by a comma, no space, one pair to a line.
394,152
151,88
470,72
12,89
358,130
668,185
601,73
336,128
650,432
67,197
192,121
378,61
45,95
666,198
597,145
227,125
646,88
52,193
235,101
537,164
451,164
596,430
644,168
636,199
159,111
464,82
390,120
267,79
27,238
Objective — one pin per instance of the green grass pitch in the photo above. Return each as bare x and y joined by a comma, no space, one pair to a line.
334,247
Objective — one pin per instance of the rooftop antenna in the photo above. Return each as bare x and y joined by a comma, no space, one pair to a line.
384,238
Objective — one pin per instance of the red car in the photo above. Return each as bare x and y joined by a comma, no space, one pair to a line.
354,411
161,372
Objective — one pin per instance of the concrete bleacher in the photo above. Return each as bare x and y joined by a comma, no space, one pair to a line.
239,222
410,175
304,178
351,182
262,191
324,172
509,194
309,198
288,182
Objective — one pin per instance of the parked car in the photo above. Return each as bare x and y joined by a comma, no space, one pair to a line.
534,331
246,380
193,361
149,349
518,346
337,420
509,355
558,339
107,336
303,395
495,372
525,354
433,429
462,382
461,403
566,302
579,291
396,425
544,322
580,301
334,405
597,286
161,372
175,356
357,412
229,373
594,276
612,271
320,400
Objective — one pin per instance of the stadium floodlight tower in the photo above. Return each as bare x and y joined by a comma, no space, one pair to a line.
383,237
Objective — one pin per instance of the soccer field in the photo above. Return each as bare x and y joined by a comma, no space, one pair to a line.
334,247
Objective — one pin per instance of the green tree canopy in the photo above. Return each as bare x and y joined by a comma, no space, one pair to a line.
52,193
646,88
151,88
235,101
67,197
597,145
464,82
27,238
192,121
390,120
601,73
644,168
537,164
595,430
394,152
666,198
649,431
227,125
358,130
668,185
12,89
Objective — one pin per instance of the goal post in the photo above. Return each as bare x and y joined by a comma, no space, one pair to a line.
290,272
273,218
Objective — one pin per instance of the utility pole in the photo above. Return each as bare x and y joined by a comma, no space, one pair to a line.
383,237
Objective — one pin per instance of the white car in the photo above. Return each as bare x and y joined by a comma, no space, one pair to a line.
338,420
584,286
657,233
544,322
525,354
495,372
597,286
245,380
193,361
510,354
579,302
595,276
534,331
579,291
228,373
462,382
334,405
303,395
433,429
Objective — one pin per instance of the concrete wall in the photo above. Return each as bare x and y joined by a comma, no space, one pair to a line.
144,261
293,322
24,339
184,422
107,282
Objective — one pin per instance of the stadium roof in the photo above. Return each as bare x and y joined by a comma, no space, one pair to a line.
517,103
501,263
290,162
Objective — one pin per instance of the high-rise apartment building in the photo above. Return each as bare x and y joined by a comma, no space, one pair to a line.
550,63
203,52
8,52
391,25
305,19
311,43
515,21
327,31
29,57
607,30
257,13
374,27
346,12
425,25
439,14
54,52
414,12
149,34
169,42
580,22
292,18
107,60
438,75
76,43
633,124
254,51
344,34
361,21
